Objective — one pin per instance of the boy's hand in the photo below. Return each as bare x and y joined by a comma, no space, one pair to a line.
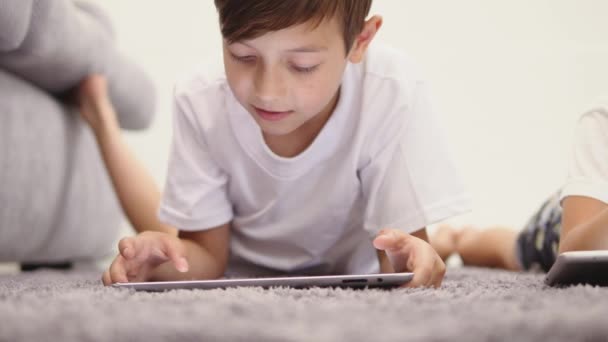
141,254
408,253
94,104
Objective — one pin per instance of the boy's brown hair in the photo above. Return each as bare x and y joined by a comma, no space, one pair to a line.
249,19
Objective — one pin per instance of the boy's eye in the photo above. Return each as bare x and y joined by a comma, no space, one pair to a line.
304,70
243,59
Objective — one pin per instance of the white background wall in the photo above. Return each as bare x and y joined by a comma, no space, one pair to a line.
509,79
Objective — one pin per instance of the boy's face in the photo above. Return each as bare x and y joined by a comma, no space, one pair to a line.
284,78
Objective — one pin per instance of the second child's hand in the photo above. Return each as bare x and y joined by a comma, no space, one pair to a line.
408,253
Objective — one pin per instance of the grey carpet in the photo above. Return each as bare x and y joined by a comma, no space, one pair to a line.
472,305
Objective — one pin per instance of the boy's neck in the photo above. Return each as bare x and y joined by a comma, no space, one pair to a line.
294,143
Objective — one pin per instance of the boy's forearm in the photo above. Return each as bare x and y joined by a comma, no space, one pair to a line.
202,265
592,235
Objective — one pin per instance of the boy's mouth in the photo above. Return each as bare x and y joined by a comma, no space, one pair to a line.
271,115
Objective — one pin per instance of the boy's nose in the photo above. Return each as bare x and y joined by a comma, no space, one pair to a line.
269,85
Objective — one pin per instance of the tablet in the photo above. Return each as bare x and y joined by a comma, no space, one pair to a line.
382,280
581,267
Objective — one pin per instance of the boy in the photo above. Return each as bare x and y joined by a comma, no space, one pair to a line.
578,216
301,156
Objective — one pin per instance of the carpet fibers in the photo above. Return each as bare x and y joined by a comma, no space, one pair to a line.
472,305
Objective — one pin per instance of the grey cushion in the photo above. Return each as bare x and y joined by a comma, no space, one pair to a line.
63,43
57,200
15,18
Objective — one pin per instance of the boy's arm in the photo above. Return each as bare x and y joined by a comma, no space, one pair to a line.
584,224
206,252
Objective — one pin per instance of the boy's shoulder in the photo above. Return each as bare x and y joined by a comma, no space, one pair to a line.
388,63
596,114
206,80
598,105
201,94
389,77
391,84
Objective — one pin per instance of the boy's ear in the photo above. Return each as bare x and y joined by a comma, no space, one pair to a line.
370,28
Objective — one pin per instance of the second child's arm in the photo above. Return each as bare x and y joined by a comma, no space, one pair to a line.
135,188
584,224
137,192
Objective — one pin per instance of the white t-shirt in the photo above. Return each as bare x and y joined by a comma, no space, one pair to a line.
588,171
380,161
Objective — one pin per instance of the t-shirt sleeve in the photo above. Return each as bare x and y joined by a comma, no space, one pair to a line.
588,170
411,180
195,195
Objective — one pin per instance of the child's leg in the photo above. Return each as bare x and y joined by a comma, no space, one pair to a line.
491,247
534,248
538,243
